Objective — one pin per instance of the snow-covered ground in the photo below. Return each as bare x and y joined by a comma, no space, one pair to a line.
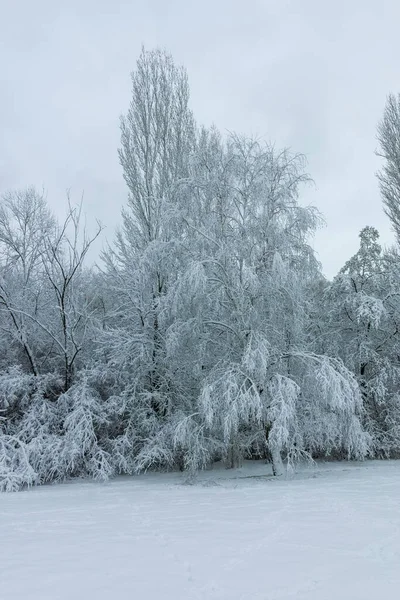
329,533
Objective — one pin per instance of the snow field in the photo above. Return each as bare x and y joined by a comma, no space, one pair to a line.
330,533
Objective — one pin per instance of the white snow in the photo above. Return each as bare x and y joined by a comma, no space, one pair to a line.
330,533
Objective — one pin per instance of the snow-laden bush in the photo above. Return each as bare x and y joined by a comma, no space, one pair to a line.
16,470
43,440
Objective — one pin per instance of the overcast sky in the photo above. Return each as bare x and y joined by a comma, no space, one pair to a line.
309,74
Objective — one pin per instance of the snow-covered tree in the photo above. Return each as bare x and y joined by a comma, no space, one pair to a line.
157,139
157,136
251,266
361,316
389,150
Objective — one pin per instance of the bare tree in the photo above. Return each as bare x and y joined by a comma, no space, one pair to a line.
43,300
25,224
63,262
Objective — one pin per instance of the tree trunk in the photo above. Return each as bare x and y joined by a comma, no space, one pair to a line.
234,458
278,468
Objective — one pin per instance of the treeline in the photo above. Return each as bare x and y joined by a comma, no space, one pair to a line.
208,331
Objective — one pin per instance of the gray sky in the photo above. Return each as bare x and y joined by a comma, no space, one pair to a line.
308,74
